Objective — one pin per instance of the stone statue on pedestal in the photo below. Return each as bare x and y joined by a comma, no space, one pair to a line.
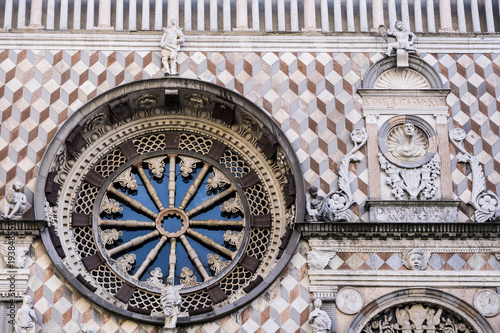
16,203
171,303
25,317
403,44
171,42
319,319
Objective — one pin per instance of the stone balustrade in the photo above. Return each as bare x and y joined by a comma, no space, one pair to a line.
327,16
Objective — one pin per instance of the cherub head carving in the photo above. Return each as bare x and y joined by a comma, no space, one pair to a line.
416,259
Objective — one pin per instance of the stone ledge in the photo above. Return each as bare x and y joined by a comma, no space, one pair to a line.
21,227
397,230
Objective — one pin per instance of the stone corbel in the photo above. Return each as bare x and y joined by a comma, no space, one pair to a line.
486,203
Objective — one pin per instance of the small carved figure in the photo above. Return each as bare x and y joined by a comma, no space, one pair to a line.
84,329
16,203
319,319
409,149
171,302
404,38
316,206
416,259
25,317
319,259
171,42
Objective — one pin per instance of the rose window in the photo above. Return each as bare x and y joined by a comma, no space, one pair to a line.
166,178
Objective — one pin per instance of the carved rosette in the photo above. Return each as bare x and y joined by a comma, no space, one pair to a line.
486,203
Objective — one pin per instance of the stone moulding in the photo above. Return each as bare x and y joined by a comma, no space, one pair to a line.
486,203
395,230
413,210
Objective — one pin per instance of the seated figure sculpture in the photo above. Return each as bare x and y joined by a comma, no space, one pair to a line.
317,208
404,38
16,203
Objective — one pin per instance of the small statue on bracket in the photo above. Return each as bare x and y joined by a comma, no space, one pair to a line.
403,44
25,317
319,319
15,203
171,302
171,42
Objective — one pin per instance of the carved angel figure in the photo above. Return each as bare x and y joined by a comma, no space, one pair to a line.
171,42
25,317
319,259
15,204
171,302
416,259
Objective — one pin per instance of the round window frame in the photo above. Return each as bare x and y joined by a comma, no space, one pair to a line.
102,101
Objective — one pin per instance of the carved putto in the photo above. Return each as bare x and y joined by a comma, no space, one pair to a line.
335,206
416,259
486,203
403,44
171,42
15,203
319,319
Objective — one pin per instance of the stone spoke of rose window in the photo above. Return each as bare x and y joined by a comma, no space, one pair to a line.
194,186
171,181
134,242
211,201
210,243
149,187
150,257
128,223
216,223
132,202
172,259
194,258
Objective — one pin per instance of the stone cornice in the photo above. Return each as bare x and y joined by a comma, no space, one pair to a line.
394,230
241,42
21,228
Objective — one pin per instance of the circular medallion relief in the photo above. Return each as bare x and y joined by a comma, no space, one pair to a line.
189,186
487,303
349,300
407,141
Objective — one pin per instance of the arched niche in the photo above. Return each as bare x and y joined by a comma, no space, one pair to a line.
416,73
413,306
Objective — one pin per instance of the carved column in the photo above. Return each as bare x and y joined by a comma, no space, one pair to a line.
377,14
104,14
373,164
241,15
445,16
173,11
36,15
444,151
309,16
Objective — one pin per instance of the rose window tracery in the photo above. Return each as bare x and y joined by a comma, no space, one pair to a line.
203,192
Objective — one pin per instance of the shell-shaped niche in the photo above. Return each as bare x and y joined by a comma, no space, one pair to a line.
407,146
401,78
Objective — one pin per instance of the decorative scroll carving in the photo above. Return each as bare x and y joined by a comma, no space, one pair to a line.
125,262
216,180
127,179
187,164
155,279
216,263
109,236
233,238
110,206
156,166
232,205
335,206
319,259
417,183
416,259
417,318
197,101
189,279
147,101
398,78
486,203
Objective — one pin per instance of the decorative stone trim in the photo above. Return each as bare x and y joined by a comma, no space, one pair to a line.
394,230
413,210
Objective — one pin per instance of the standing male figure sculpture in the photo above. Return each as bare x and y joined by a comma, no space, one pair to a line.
171,42
171,302
16,202
25,317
